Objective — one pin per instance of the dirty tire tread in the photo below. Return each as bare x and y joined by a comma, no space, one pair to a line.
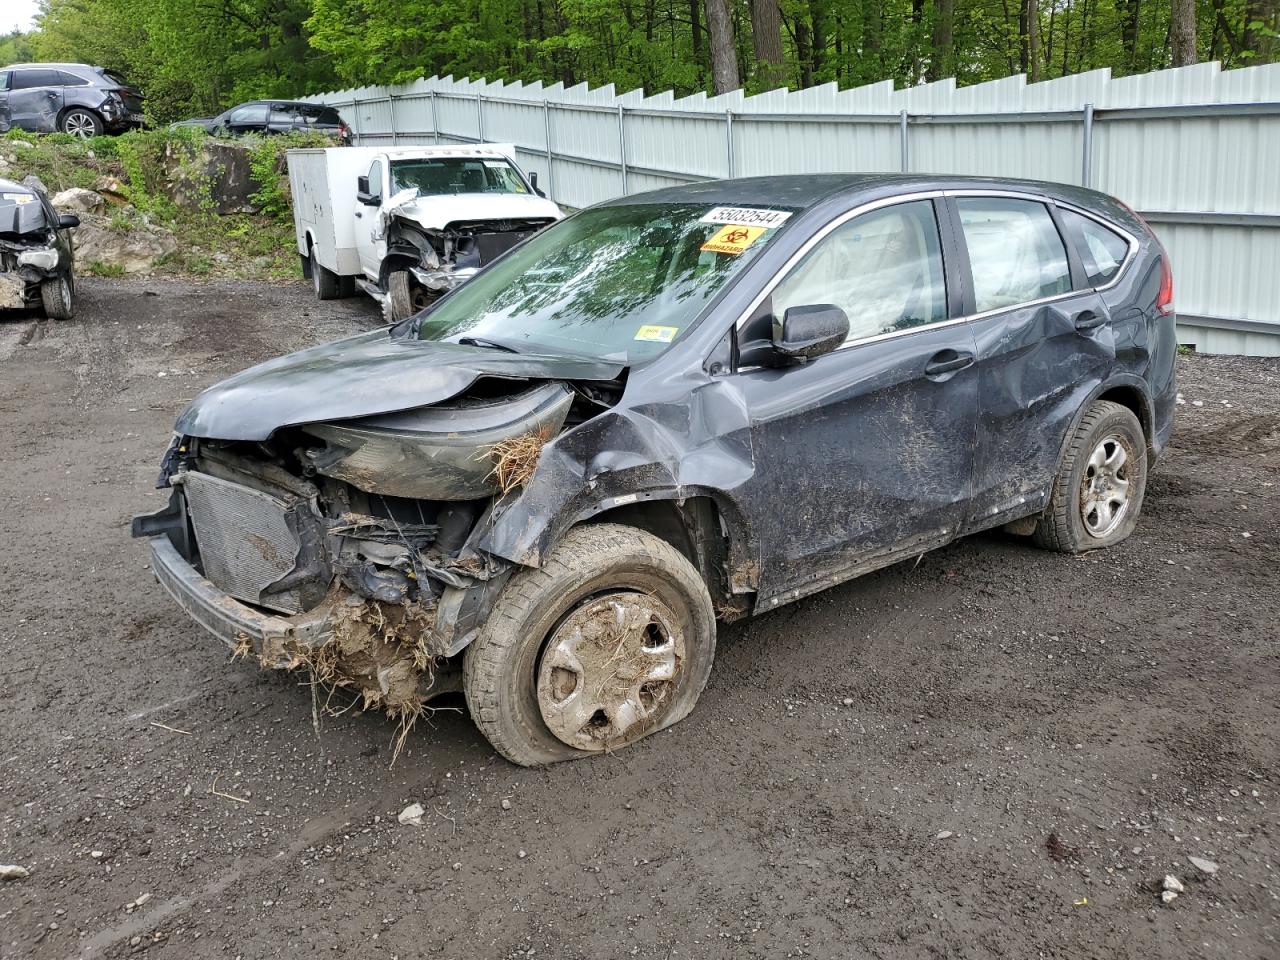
323,280
399,295
581,552
57,306
1056,529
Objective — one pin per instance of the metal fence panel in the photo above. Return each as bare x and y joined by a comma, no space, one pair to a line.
1195,149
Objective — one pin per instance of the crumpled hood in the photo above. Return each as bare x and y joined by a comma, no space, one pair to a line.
437,212
361,376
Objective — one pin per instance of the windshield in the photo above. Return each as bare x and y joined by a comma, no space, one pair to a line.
443,175
617,282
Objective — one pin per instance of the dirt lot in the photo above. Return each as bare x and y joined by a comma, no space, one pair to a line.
875,772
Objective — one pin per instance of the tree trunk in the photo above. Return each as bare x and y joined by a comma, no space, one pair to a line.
804,52
724,58
942,57
766,37
1182,33
818,11
695,26
1130,11
1033,39
872,26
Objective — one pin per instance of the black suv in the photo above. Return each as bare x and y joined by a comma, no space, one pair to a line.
274,116
70,98
666,410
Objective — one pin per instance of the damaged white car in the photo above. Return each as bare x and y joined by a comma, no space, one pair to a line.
408,224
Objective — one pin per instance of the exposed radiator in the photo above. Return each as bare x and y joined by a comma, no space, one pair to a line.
245,542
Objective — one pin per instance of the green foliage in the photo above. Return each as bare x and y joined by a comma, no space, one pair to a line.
97,269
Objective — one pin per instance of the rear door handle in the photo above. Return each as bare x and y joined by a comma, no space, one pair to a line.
947,361
1087,320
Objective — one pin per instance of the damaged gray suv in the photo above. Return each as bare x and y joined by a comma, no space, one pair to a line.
689,405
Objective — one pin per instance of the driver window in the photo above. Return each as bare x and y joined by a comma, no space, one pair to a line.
883,269
375,180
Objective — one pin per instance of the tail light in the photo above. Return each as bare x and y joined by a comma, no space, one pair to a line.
1164,299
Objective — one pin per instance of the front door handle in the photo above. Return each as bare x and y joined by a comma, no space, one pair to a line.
1087,320
359,215
946,362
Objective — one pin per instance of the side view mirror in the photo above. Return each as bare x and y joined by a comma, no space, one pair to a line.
68,220
810,331
362,193
533,182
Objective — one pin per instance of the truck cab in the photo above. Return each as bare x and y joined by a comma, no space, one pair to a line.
408,224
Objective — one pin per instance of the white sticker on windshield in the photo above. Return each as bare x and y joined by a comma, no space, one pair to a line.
747,217
496,164
18,198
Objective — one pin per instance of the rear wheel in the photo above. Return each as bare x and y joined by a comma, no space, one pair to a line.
1097,494
610,640
58,298
81,123
323,280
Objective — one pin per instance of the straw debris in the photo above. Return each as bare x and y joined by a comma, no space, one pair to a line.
515,459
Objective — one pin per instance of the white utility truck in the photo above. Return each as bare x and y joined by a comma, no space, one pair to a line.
406,224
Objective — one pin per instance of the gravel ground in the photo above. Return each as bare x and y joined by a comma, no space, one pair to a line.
998,752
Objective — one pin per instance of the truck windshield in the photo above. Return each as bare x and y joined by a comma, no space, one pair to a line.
445,175
618,282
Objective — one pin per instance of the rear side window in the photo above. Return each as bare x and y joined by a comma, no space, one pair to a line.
1102,250
71,80
1015,251
27,79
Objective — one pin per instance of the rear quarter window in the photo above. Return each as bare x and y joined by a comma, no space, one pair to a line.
1102,250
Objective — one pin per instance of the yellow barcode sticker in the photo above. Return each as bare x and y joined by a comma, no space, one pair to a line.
656,334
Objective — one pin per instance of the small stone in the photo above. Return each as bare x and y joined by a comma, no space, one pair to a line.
847,701
1173,883
942,835
96,854
412,815
522,854
11,871
1168,896
457,866
506,804
1204,866
135,941
142,899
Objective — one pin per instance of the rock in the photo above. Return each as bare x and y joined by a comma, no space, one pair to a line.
942,835
1173,883
522,854
134,251
79,200
97,854
211,175
847,701
32,182
21,143
111,188
412,815
1204,866
506,804
1168,896
11,871
457,866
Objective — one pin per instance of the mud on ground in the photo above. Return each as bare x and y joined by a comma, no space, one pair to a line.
874,772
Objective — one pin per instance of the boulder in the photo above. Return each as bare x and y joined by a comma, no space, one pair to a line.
135,250
111,189
211,175
78,200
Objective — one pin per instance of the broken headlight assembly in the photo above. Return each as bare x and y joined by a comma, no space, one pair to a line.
42,258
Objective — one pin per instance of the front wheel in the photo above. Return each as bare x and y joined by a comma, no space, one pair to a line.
57,298
81,123
610,640
1097,494
404,296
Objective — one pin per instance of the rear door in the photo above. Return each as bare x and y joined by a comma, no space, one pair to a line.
5,122
867,453
1044,340
249,118
35,99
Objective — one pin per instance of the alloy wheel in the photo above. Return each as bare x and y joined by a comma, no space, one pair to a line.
1104,488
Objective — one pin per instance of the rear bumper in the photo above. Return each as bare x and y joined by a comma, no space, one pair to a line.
229,620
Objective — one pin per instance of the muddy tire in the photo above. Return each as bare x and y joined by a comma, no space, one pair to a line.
1097,494
323,280
610,640
400,296
57,298
81,123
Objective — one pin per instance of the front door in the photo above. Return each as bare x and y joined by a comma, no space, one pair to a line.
865,454
371,237
1042,345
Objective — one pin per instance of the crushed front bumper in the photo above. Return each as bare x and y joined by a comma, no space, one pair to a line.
229,620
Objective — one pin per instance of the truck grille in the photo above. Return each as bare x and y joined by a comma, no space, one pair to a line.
245,542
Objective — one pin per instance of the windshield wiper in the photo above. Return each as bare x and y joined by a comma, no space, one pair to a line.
482,342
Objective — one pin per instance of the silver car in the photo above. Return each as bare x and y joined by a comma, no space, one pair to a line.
70,98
